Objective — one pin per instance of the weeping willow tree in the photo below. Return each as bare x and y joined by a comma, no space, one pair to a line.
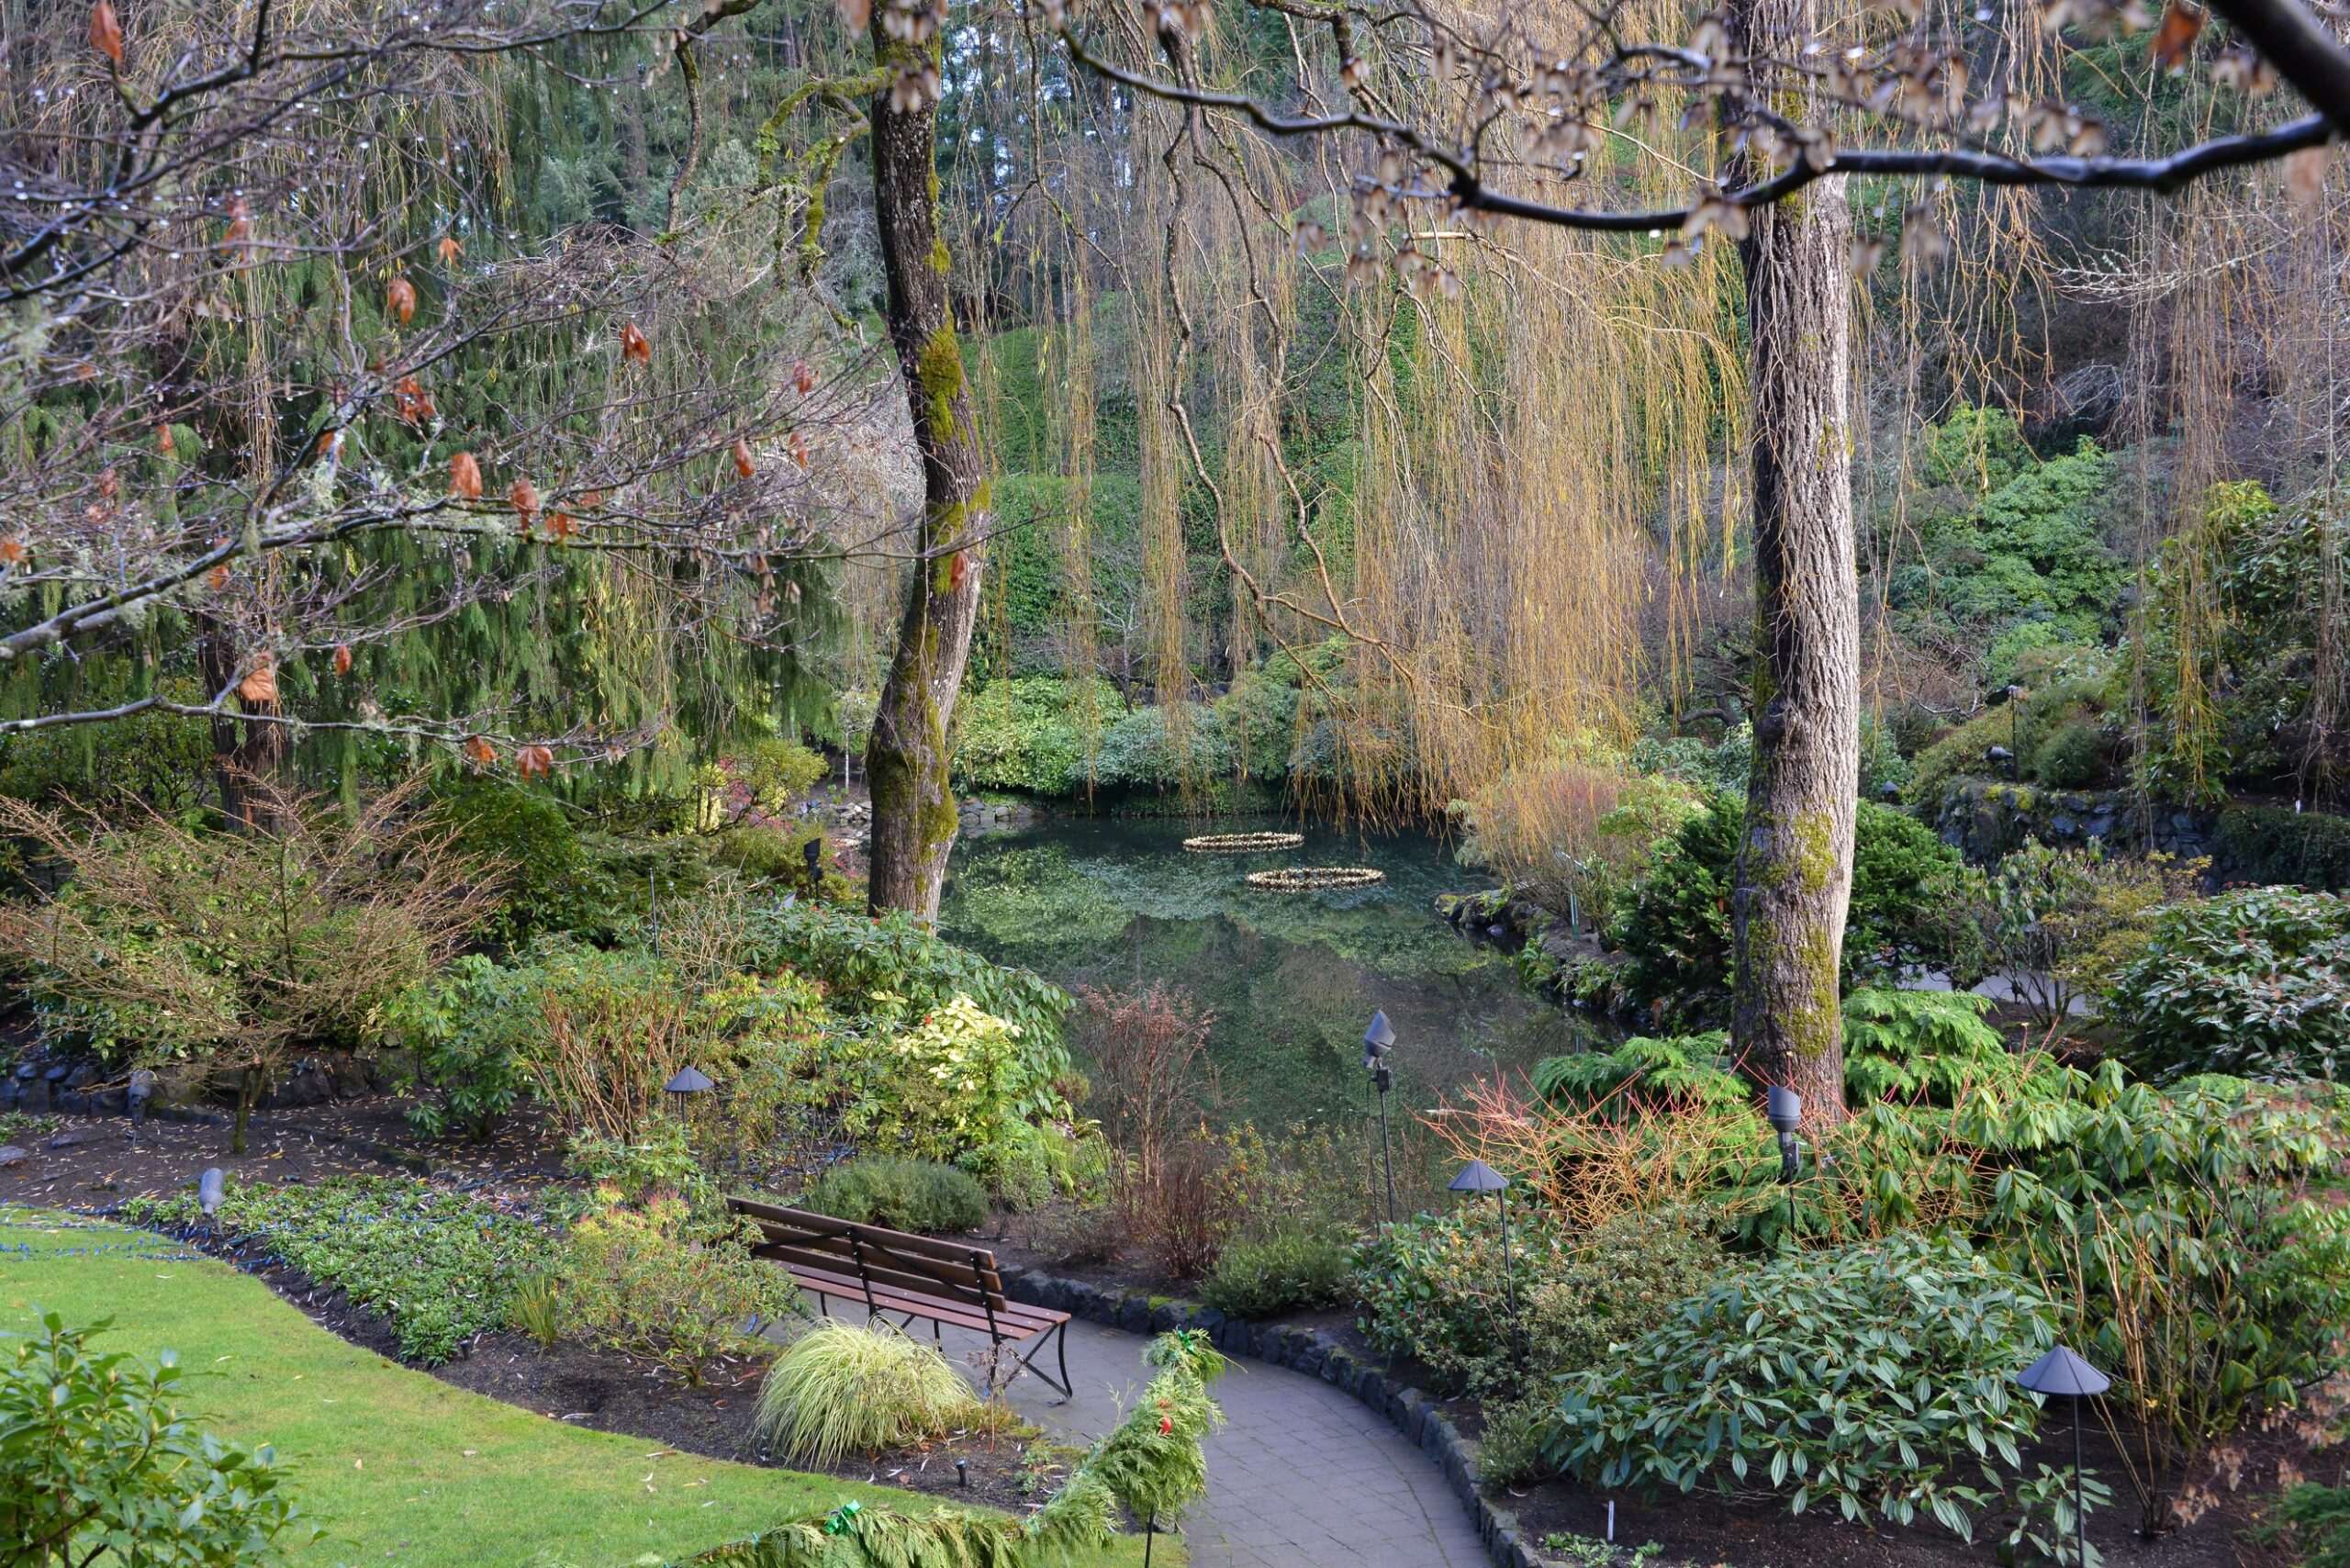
1461,119
326,424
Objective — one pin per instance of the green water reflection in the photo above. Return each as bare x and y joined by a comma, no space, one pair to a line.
1292,977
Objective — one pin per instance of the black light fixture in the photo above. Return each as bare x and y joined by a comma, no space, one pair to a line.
682,1089
2062,1374
1479,1177
135,1098
962,1472
2000,756
1784,1109
1377,1041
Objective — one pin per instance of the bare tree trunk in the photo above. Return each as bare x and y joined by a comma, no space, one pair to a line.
905,761
1795,866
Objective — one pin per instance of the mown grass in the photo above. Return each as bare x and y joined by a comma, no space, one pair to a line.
401,1468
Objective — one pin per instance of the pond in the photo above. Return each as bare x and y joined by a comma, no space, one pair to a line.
1292,977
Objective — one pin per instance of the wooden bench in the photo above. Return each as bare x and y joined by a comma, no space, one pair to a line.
917,1277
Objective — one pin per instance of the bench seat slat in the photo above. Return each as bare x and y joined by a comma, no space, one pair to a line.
904,1243
793,1251
833,1282
846,1288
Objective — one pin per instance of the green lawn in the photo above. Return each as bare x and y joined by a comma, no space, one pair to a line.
401,1468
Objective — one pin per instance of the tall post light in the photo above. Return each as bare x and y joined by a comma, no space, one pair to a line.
1784,1108
1377,1041
2062,1374
1479,1177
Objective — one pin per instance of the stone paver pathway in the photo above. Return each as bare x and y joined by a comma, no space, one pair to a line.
1298,1477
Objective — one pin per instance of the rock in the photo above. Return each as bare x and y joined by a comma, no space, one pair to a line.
11,1156
57,1074
34,1102
28,1069
81,1077
72,1101
69,1140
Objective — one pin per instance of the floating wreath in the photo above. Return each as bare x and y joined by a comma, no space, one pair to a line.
1313,878
1242,843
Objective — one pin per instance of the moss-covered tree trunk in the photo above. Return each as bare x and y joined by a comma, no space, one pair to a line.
1794,865
905,762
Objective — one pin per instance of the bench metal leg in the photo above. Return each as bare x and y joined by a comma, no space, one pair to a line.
1059,1336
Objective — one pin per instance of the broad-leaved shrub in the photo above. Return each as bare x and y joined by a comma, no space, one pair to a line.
2253,984
1878,1378
97,1464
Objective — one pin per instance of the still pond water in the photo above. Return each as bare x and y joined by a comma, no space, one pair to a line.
1292,977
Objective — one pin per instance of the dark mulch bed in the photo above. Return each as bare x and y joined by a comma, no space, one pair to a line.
85,1161
613,1393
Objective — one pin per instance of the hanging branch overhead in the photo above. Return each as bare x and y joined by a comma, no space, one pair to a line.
1536,112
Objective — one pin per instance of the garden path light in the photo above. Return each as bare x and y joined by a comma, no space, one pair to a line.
1377,1041
2063,1374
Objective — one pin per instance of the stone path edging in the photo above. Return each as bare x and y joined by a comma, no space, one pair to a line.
1306,1350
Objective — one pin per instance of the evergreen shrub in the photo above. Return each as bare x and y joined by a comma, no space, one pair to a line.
1287,1269
920,1195
1912,898
2276,843
1433,1288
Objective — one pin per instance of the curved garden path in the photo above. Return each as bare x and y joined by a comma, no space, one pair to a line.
1300,1476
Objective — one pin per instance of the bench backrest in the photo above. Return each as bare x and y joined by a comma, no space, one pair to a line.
897,1259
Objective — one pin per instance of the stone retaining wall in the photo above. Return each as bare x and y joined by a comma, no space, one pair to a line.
1315,1354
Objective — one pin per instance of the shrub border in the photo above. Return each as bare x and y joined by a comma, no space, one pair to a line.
1310,1352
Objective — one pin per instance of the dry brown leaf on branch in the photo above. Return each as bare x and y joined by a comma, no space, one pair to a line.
2182,25
105,31
260,686
803,376
524,496
343,658
163,442
12,552
856,13
634,345
742,464
241,221
480,751
2305,173
449,249
534,761
560,526
400,300
465,476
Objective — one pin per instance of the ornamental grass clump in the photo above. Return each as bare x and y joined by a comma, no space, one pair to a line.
840,1389
1880,1377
